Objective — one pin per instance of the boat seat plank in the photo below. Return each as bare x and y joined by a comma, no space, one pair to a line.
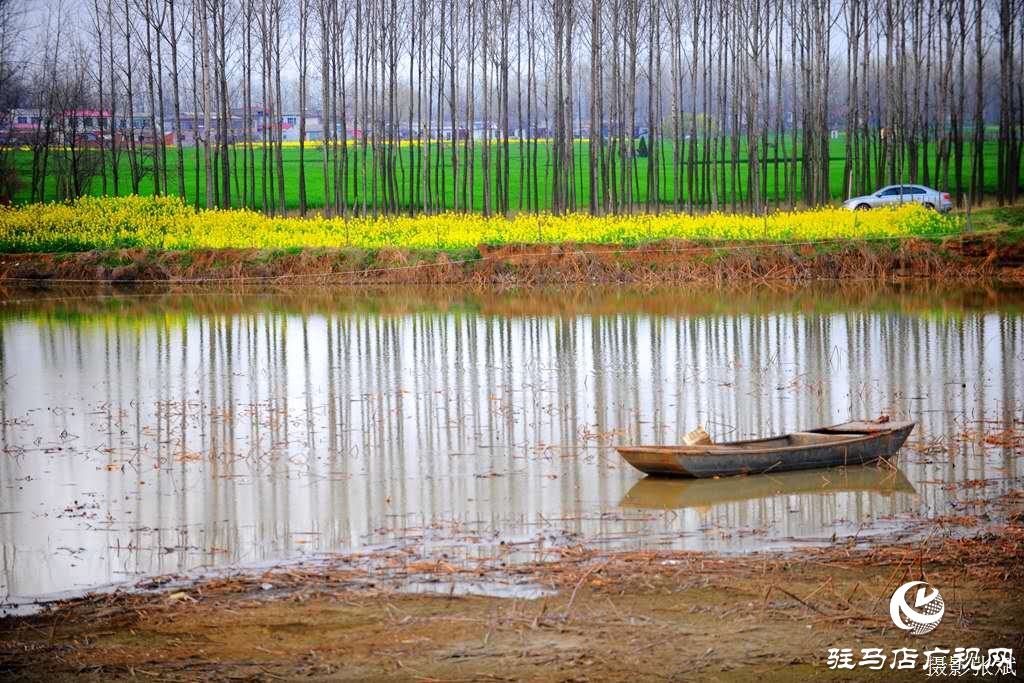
861,427
814,437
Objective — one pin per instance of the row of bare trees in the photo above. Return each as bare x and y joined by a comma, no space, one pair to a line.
9,95
505,106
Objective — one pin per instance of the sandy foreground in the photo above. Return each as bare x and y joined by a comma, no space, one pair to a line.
585,616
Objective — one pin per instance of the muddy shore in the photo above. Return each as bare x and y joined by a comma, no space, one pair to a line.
996,254
604,616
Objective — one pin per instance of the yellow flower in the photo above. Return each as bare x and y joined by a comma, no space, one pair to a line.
168,223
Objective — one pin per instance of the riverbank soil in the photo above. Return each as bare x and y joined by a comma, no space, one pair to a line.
625,616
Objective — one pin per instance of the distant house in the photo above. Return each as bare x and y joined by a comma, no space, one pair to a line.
87,126
24,123
262,123
26,120
488,129
351,134
527,133
479,131
290,123
193,124
457,133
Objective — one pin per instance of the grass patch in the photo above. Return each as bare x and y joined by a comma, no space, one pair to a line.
115,260
997,218
409,186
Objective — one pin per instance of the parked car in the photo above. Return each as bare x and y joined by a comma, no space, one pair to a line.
901,194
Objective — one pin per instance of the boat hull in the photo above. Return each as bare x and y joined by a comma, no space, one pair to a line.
852,443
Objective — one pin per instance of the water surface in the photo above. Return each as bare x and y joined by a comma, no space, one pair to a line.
168,431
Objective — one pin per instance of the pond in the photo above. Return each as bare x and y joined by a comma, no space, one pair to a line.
155,432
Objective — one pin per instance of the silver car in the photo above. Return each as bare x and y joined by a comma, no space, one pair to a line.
902,194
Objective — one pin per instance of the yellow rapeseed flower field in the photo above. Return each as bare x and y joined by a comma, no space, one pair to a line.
167,223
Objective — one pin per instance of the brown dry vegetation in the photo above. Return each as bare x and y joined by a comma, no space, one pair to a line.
991,254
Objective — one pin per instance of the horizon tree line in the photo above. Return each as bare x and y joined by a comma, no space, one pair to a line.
605,106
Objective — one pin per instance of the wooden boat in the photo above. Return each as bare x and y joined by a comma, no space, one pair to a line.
850,443
659,493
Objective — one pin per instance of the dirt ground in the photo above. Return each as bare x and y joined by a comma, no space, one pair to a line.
627,616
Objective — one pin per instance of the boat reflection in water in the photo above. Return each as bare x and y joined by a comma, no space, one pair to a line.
667,494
